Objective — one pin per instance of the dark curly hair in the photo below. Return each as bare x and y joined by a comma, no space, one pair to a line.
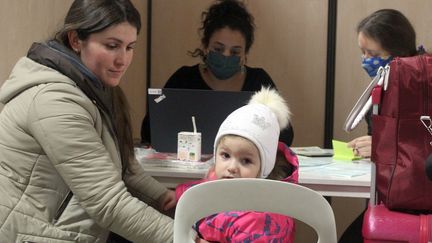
225,13
392,30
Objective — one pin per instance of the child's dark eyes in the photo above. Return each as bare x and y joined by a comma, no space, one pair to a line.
225,155
247,161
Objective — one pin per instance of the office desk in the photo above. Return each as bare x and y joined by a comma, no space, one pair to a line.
322,174
336,178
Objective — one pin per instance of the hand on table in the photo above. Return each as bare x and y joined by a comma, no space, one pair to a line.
362,146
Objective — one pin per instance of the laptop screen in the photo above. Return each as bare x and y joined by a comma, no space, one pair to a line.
171,112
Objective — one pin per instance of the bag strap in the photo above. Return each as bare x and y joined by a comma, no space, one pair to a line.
363,103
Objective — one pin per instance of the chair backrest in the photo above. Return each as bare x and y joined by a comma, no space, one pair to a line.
251,194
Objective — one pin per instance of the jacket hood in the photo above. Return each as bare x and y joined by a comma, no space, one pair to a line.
291,160
26,74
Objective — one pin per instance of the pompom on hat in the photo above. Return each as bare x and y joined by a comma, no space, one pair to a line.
260,121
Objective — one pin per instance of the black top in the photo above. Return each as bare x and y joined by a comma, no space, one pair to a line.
189,77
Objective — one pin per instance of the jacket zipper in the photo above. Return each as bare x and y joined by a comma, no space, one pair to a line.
62,207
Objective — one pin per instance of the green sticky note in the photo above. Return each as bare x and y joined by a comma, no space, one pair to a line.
342,152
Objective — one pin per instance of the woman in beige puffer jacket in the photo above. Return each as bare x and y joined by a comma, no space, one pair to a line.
67,169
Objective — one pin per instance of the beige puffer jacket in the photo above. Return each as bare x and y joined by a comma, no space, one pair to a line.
53,140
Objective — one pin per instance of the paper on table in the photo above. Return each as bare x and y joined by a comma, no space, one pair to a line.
342,170
305,161
342,152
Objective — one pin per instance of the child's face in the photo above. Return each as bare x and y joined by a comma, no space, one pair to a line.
236,157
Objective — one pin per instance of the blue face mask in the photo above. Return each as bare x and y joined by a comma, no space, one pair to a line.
221,66
372,64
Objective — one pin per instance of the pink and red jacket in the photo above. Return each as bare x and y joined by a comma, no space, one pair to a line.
248,226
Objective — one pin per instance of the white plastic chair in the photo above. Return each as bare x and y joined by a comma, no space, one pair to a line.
260,195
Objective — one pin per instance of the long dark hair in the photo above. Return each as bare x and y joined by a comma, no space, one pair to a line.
87,17
392,30
225,13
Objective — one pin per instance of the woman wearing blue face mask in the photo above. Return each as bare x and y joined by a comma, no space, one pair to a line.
227,34
383,35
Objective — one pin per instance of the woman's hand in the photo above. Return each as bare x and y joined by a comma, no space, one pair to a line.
167,200
362,146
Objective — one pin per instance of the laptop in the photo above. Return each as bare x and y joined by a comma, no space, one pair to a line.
171,112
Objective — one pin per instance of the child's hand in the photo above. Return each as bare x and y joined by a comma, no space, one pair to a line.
362,146
167,200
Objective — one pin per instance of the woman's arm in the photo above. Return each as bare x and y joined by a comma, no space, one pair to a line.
69,129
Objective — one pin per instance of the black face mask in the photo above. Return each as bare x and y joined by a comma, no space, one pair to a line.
222,67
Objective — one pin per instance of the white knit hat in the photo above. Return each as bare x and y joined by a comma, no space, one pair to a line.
260,121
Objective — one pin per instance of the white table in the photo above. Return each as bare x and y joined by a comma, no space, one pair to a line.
336,178
322,174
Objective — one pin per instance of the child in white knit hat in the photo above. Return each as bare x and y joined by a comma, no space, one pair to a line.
249,136
247,146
